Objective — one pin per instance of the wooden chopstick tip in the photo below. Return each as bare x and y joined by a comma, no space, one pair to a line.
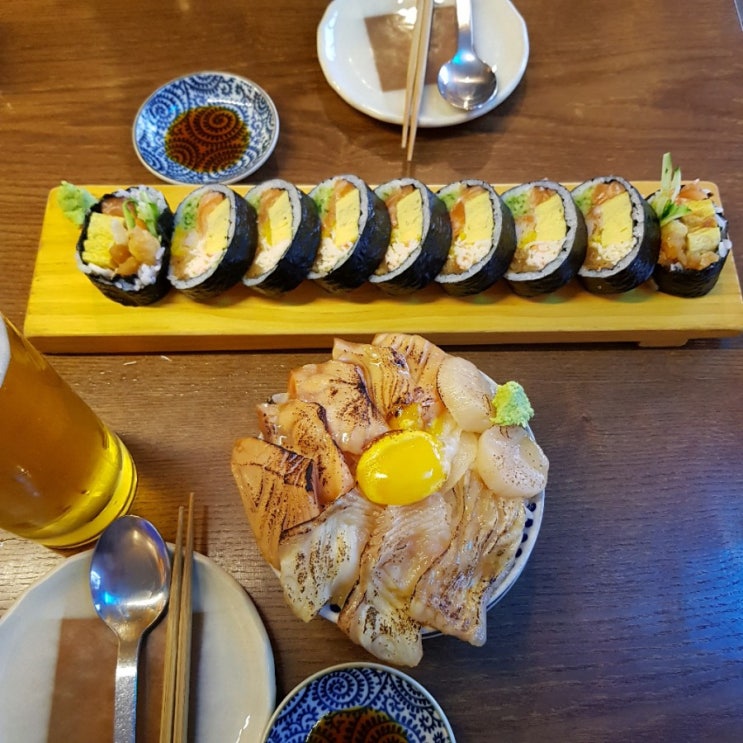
416,73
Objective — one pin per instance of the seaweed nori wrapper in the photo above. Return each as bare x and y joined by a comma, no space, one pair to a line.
636,267
425,262
236,256
692,282
687,282
292,267
558,272
485,272
354,268
131,290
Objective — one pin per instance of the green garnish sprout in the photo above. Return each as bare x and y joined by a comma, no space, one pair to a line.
147,210
663,201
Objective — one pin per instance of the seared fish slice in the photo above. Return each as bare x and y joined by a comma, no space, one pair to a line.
405,542
452,596
302,427
500,558
277,490
320,559
353,419
423,357
385,371
268,421
424,360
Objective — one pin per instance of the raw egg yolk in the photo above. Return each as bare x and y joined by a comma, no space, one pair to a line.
410,416
401,467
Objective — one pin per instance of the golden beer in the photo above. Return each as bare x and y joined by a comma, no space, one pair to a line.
63,475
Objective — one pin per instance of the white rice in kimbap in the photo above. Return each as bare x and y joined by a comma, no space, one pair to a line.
550,237
623,235
214,240
419,239
288,237
483,238
124,246
355,233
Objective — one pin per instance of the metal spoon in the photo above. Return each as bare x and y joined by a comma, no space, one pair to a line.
129,583
465,80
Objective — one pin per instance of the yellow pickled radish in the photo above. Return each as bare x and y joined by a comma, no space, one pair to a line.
401,467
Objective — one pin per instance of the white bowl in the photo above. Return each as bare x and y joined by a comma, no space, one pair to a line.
209,127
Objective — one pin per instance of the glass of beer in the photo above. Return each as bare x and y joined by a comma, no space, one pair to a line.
64,476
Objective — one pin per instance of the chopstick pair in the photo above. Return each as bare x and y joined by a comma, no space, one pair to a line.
177,670
416,74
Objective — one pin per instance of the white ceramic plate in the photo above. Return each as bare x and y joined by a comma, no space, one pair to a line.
347,60
236,689
352,685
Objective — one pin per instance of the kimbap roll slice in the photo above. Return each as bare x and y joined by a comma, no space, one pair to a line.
483,238
288,237
124,246
419,239
214,240
694,239
550,238
355,232
623,235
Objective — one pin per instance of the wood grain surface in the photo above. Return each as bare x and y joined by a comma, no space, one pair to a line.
626,623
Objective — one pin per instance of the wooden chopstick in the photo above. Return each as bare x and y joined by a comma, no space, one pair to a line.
416,73
180,713
171,637
410,76
176,675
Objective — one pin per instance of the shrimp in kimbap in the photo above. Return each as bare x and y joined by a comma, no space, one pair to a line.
693,236
124,247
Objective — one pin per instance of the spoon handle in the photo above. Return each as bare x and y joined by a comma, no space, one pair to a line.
125,694
464,26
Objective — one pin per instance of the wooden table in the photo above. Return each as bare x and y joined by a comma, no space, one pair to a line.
627,622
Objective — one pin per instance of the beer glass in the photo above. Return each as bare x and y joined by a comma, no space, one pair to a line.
64,476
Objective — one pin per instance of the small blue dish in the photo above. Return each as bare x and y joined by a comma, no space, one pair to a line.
351,686
209,127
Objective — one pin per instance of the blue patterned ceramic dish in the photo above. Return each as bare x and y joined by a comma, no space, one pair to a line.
353,685
210,127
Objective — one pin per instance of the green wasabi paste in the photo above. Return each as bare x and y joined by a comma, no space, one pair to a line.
511,406
74,202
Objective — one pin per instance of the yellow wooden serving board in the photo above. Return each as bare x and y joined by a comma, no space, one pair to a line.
67,314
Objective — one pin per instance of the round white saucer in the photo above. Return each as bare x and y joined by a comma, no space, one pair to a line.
347,58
